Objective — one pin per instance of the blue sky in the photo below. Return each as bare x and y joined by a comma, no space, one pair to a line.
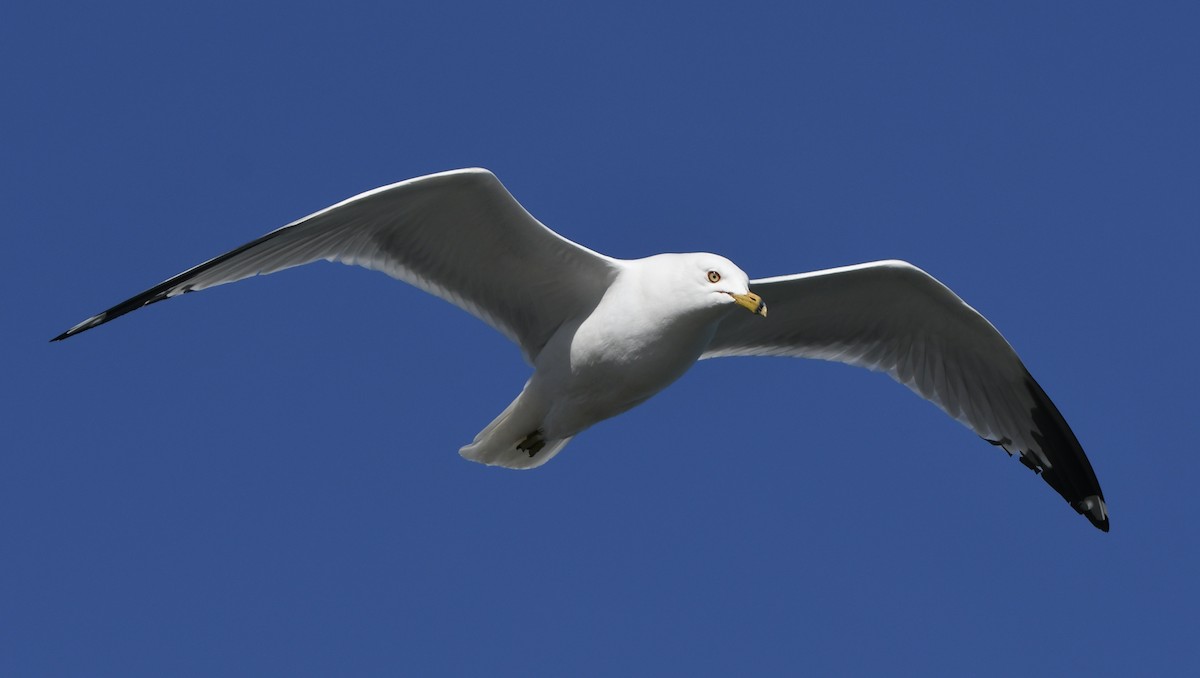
263,480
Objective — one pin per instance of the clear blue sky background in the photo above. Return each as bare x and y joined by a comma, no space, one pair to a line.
263,480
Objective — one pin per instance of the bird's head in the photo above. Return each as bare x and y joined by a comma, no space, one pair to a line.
707,281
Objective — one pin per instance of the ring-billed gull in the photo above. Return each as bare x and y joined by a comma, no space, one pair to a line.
605,334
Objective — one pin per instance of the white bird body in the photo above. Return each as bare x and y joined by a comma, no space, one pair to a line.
632,345
603,335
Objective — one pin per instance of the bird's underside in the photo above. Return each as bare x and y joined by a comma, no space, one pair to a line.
533,443
461,236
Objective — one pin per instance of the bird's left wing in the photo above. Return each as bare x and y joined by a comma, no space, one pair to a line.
893,317
459,235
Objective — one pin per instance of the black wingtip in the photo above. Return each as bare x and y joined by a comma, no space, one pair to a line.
1095,510
69,333
1101,525
1070,473
98,319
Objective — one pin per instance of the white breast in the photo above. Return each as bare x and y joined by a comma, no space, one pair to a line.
628,349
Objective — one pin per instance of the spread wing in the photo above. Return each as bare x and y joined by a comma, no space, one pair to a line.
459,235
893,317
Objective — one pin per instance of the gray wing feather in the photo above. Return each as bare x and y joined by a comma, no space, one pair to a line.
459,235
893,317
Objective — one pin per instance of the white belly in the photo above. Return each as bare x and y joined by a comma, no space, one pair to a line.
592,373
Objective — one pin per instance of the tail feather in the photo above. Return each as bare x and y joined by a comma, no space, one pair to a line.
497,444
495,452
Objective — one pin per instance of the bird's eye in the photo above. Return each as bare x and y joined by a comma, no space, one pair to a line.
713,277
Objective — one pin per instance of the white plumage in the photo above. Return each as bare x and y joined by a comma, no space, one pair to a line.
605,334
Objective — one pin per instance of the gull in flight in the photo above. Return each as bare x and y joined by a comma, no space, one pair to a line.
604,334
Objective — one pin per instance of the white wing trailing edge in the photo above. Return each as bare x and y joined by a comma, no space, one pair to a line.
893,317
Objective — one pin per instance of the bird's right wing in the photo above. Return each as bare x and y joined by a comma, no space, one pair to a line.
893,317
459,235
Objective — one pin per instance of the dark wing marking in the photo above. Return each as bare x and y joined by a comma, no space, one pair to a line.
459,235
893,317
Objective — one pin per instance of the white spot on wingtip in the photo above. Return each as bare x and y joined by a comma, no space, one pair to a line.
1094,505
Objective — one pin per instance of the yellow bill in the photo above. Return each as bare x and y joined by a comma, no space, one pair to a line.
751,302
